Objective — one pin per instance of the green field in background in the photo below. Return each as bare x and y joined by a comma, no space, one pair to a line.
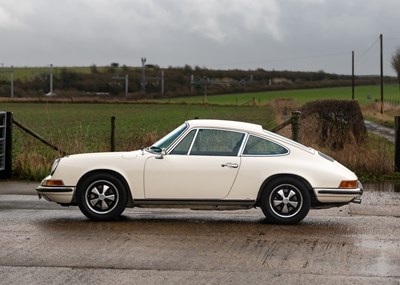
87,127
363,94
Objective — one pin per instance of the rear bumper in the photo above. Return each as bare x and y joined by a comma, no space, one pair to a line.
61,195
339,195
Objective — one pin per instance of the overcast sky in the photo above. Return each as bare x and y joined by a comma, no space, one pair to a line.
301,35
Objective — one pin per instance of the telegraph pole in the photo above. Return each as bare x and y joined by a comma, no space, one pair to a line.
11,71
205,90
382,106
126,84
51,79
352,75
126,78
45,73
12,81
143,81
203,81
162,81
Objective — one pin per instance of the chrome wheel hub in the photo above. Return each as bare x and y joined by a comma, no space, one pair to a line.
101,197
286,200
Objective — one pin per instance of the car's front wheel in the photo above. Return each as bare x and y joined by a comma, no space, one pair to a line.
285,200
102,197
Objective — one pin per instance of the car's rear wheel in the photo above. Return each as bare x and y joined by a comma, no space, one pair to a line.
285,200
102,197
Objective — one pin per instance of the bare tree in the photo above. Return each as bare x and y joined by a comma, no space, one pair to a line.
395,61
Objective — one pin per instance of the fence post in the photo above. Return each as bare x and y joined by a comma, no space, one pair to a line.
296,125
397,143
113,133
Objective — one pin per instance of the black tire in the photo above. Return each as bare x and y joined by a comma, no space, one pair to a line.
102,197
285,200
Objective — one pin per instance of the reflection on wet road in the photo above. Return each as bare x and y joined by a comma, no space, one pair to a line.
45,243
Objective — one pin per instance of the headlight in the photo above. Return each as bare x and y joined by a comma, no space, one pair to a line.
54,166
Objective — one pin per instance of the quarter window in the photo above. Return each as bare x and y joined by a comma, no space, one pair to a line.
184,145
259,146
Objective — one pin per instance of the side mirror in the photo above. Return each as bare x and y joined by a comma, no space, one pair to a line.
162,154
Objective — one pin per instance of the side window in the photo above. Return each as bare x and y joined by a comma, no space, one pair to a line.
259,146
184,145
217,143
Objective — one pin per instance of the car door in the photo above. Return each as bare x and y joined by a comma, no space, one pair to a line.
203,165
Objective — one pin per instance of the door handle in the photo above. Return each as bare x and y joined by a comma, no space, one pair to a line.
230,165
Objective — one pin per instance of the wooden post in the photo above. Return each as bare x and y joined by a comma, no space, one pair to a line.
397,143
113,133
296,125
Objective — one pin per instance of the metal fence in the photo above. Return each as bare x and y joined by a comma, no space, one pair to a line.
5,145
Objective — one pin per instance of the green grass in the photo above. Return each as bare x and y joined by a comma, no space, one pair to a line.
364,95
65,117
77,128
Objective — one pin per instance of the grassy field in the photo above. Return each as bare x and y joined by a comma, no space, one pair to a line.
86,127
93,120
363,94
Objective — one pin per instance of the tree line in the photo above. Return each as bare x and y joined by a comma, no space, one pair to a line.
110,81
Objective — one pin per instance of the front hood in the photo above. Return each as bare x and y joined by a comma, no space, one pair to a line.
100,160
71,168
104,155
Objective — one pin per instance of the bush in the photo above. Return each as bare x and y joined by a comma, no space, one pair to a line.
333,123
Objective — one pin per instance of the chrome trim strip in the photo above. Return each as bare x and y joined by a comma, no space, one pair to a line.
193,202
57,189
339,191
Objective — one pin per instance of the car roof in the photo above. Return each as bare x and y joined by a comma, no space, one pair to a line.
246,127
226,124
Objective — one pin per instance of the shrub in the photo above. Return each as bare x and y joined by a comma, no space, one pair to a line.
333,123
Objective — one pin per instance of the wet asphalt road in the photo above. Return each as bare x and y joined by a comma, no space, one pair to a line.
387,133
43,243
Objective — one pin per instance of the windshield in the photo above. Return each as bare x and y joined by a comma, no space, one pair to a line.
166,141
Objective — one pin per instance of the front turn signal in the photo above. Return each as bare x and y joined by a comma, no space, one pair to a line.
52,183
348,184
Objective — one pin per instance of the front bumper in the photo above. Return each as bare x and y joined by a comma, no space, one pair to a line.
58,194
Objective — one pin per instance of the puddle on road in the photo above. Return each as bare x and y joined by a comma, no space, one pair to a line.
383,264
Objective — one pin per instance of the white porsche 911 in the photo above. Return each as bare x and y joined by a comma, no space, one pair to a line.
208,165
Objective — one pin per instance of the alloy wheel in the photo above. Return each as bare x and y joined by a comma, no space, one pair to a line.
286,200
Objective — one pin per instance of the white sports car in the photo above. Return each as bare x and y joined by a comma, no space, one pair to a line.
205,164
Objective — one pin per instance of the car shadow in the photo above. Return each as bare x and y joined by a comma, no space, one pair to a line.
185,222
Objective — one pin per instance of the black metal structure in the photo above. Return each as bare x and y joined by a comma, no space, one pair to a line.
5,145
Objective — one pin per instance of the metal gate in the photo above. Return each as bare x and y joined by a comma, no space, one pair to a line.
5,144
